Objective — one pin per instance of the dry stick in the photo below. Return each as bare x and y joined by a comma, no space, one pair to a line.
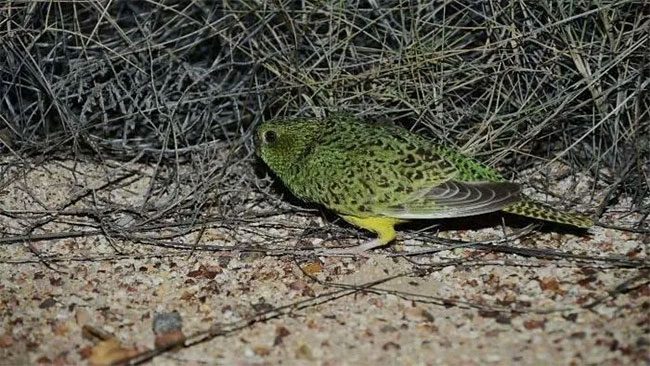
527,252
105,230
106,258
83,193
627,285
429,299
553,254
612,189
218,330
154,227
463,244
42,259
409,296
52,217
47,236
626,228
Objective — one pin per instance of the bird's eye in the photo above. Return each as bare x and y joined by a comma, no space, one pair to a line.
270,137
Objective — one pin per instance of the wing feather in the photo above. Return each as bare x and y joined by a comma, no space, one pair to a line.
455,199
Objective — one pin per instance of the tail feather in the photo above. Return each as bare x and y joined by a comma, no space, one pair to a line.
541,211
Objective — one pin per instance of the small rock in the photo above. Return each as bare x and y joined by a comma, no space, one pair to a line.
167,322
47,303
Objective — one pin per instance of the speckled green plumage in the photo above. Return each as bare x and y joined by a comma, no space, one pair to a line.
375,170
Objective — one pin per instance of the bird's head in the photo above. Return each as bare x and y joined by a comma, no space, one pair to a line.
282,144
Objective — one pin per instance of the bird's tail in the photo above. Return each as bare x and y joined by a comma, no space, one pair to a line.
541,211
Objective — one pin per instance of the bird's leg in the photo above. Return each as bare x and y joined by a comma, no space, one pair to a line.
355,250
383,226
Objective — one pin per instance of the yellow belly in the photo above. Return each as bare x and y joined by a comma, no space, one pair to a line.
383,226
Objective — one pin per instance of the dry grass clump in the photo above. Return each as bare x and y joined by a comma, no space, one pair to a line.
519,84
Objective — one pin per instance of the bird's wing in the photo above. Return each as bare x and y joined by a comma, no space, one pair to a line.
455,199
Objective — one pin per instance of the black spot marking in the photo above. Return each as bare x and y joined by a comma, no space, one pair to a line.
383,183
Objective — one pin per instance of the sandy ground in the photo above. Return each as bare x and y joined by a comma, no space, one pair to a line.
462,306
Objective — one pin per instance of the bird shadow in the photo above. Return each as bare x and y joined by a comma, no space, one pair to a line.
490,220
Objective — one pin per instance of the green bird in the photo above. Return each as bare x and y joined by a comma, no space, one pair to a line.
377,175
